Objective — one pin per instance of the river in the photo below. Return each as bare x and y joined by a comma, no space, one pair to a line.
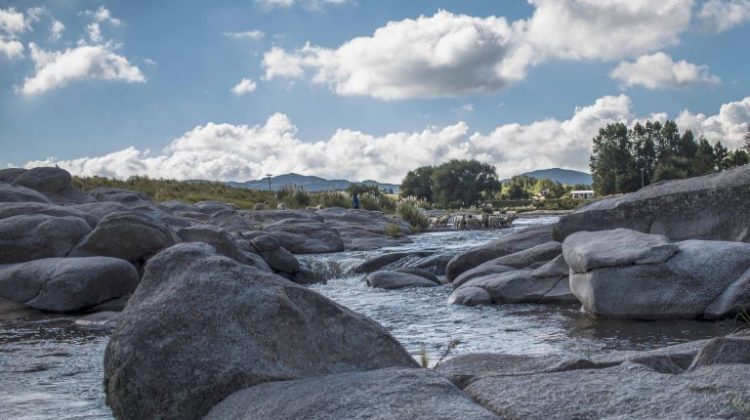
52,364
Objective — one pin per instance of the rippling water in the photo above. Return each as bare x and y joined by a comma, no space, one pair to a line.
52,365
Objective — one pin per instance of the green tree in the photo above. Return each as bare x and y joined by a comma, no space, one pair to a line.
613,167
644,151
747,139
738,157
721,157
463,182
703,163
418,183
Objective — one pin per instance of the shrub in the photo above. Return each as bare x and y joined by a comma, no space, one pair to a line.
294,196
369,201
333,199
409,211
391,229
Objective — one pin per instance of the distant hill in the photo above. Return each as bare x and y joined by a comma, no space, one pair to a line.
310,183
563,176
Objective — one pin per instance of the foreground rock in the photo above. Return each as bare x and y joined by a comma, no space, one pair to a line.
399,280
711,207
519,241
201,326
386,394
30,237
627,274
67,284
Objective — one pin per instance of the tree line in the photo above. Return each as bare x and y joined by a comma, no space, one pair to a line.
453,184
625,159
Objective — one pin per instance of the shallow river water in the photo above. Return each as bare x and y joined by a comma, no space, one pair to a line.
51,366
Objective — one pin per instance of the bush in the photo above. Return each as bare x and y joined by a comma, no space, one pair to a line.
410,212
294,196
333,199
391,229
377,202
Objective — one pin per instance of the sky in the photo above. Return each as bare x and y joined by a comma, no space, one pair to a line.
357,89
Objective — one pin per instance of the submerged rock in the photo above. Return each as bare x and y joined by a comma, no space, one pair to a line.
67,284
201,326
385,394
627,274
398,280
711,207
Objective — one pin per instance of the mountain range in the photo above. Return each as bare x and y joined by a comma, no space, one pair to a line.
317,184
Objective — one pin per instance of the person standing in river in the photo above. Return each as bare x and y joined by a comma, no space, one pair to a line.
355,201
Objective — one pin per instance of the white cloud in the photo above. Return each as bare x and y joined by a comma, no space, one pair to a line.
11,49
241,152
54,69
103,15
94,31
729,125
722,15
244,86
450,55
254,34
606,29
308,4
468,107
659,71
442,55
56,30
12,22
149,61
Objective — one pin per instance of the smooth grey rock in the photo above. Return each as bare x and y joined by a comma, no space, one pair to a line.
470,296
265,243
710,207
560,293
465,369
515,242
585,251
223,242
305,276
211,207
67,284
519,286
16,194
528,258
301,236
554,268
687,285
266,217
397,280
10,174
232,221
420,273
385,261
32,208
386,394
281,260
363,230
201,326
723,350
44,179
69,196
30,237
128,198
628,391
174,206
101,209
126,235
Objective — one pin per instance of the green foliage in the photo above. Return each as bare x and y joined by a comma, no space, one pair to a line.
359,188
333,199
294,196
187,191
391,229
463,182
625,158
409,210
418,183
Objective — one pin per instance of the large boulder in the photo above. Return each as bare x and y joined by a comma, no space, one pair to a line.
385,394
515,242
517,286
30,237
44,179
398,280
628,274
128,198
67,284
10,174
306,236
33,208
533,257
278,258
101,209
201,326
10,193
128,235
223,242
363,230
711,207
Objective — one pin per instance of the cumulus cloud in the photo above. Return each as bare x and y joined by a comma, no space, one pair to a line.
242,152
12,23
103,15
254,34
56,30
659,71
728,126
309,4
11,49
244,86
451,54
722,15
441,55
54,69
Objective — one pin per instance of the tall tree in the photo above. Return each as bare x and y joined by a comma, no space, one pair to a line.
644,151
613,167
418,183
721,155
463,182
704,158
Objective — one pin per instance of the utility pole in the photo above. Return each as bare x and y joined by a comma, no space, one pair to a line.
269,181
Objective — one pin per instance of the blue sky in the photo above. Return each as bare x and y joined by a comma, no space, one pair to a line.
522,85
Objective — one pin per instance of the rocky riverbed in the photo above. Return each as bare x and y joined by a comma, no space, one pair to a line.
207,310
